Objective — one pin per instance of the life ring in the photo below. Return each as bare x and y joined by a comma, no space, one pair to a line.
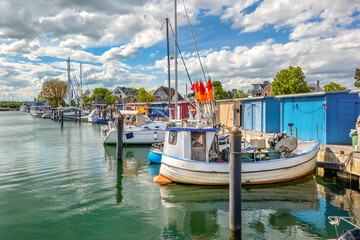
325,106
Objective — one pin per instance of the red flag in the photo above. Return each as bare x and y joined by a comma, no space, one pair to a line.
197,86
78,84
209,85
202,89
193,87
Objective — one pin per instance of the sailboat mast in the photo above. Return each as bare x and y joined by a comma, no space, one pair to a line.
69,81
176,70
81,93
168,59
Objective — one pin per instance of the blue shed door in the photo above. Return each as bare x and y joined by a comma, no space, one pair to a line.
346,120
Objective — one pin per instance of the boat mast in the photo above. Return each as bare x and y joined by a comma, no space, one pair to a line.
81,94
176,71
168,59
69,83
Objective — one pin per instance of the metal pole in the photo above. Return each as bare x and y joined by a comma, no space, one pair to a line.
176,70
62,118
317,131
105,116
81,93
119,142
80,117
235,182
168,60
69,83
111,114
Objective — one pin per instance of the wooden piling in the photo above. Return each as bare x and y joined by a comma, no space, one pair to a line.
79,117
235,183
62,118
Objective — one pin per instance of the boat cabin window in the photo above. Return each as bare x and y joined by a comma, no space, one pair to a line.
173,137
197,139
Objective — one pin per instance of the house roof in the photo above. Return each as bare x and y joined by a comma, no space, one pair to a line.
262,85
166,90
125,90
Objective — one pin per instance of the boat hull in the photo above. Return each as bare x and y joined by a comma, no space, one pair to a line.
264,172
138,137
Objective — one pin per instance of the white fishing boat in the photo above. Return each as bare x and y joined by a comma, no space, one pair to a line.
190,157
138,129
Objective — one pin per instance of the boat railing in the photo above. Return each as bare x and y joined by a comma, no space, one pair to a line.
335,220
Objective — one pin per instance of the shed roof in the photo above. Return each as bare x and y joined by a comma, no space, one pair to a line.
310,94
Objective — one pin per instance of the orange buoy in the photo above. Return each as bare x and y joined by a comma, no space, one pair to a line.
161,179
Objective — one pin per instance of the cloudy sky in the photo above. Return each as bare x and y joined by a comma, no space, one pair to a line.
123,43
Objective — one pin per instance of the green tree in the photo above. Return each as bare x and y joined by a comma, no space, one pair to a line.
333,87
134,90
219,92
241,94
357,78
289,81
144,96
55,91
99,92
86,99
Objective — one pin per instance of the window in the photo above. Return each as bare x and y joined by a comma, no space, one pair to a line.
173,137
197,139
266,93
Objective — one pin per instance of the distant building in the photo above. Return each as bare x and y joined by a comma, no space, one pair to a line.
315,87
123,92
261,89
162,94
96,103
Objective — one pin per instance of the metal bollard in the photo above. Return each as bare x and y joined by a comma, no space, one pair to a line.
235,183
119,142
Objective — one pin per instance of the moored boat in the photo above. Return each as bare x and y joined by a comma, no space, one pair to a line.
190,157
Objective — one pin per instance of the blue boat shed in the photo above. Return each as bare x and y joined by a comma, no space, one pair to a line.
261,114
327,115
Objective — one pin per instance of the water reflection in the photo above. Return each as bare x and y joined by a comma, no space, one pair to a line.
131,165
198,211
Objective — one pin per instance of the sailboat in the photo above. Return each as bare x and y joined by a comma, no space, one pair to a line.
191,155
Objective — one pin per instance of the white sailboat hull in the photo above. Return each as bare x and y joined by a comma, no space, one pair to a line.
261,172
149,136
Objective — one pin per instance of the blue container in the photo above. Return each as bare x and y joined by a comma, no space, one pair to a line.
332,113
261,114
154,157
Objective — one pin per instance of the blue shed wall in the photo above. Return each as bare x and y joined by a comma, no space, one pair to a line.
334,124
304,113
261,115
343,110
272,115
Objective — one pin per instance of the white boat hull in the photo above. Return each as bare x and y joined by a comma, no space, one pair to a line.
261,172
139,137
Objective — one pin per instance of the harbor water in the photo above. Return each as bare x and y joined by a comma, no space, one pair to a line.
62,183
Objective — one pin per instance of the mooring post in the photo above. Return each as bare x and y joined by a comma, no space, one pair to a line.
75,115
111,114
119,142
235,183
79,117
105,111
62,118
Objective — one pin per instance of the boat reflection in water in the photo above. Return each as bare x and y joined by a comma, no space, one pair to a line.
268,210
